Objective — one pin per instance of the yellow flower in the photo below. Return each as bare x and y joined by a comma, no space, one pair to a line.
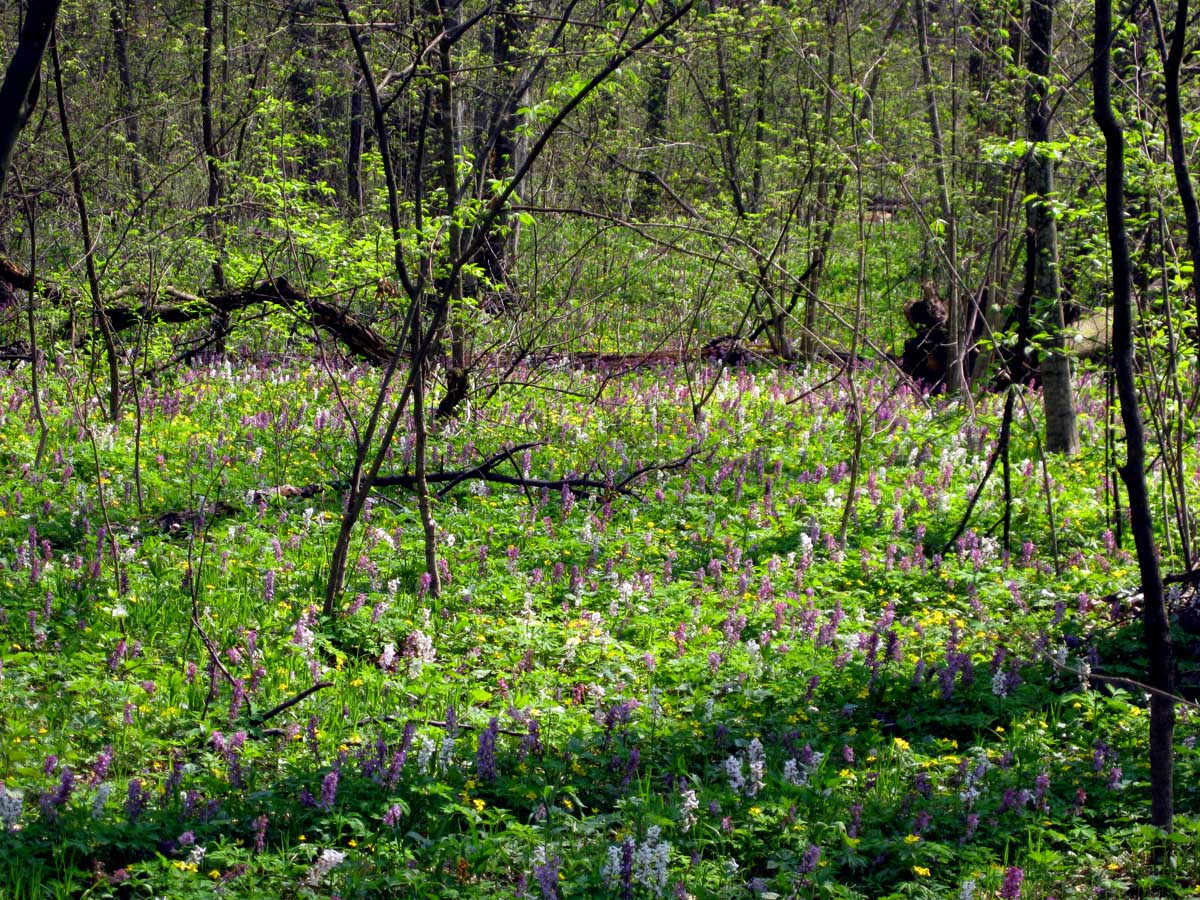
911,838
921,870
900,743
479,804
756,810
214,874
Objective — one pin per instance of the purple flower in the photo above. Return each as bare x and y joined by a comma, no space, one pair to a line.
922,822
546,875
260,833
329,786
531,743
1042,785
392,817
135,799
808,862
52,800
485,757
1011,889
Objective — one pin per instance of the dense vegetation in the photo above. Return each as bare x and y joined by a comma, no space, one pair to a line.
704,674
678,449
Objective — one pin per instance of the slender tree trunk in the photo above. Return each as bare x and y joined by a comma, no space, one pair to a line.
728,137
1133,472
35,353
760,123
366,462
19,92
1041,251
458,383
354,152
302,87
89,250
1179,159
830,211
955,377
658,89
118,18
212,154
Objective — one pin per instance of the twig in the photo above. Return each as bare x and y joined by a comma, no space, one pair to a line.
290,702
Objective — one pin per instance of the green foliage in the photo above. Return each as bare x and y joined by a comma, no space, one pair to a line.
920,718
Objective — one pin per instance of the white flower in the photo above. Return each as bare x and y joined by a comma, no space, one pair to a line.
757,763
326,863
611,873
387,657
733,771
687,810
1000,683
10,808
99,801
650,862
425,753
446,755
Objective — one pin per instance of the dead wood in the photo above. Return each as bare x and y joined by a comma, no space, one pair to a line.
486,471
358,338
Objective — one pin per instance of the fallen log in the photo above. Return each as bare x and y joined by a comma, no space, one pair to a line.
485,471
358,338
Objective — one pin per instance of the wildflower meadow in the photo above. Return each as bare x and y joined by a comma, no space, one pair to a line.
771,670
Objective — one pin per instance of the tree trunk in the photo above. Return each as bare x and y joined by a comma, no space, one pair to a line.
658,88
1179,156
302,88
955,375
1133,472
354,152
118,18
89,249
19,92
212,222
1041,249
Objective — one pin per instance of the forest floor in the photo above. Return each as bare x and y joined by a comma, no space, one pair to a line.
760,674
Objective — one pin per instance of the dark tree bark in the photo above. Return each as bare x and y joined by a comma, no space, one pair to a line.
19,92
129,115
657,95
1133,472
89,248
1179,160
956,375
212,221
354,151
302,86
1042,287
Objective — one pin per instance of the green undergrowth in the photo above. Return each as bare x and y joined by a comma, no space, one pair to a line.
693,689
